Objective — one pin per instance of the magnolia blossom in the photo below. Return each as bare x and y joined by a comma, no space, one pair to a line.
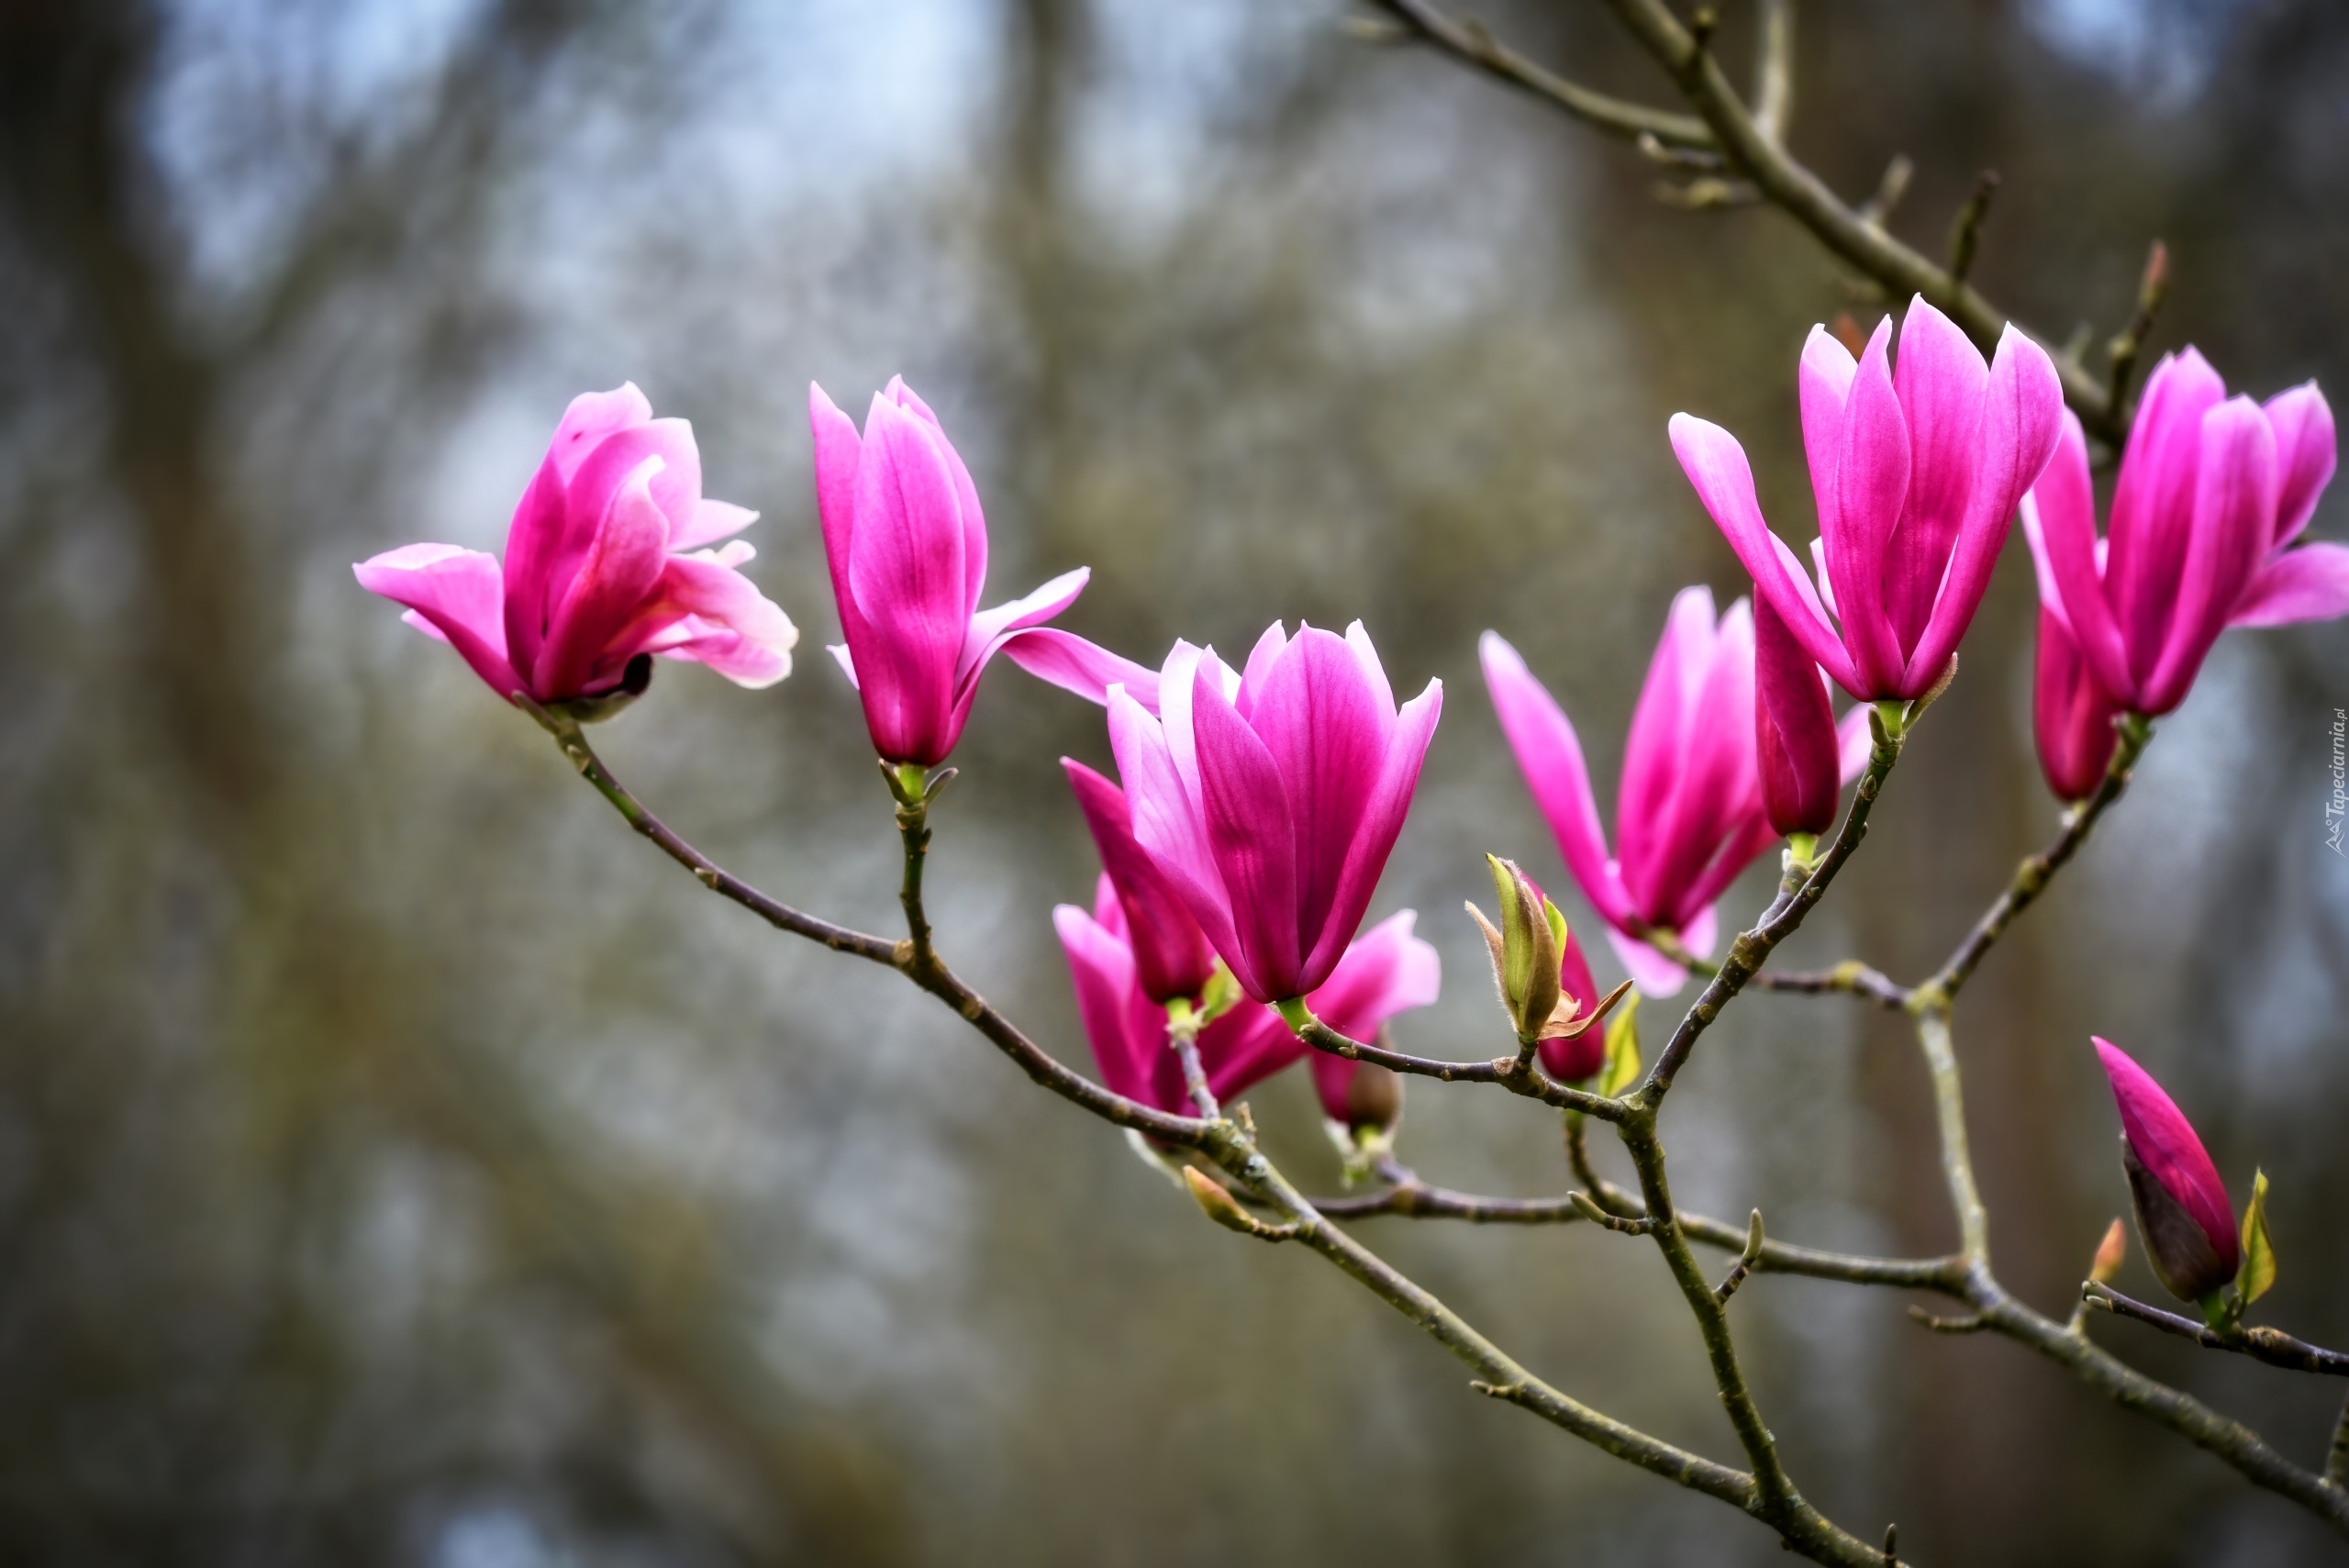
1387,971
1270,797
1172,958
908,548
2183,1215
1916,470
605,566
1689,814
2212,493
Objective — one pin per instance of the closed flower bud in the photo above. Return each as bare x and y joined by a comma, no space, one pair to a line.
2109,1253
2183,1215
1524,949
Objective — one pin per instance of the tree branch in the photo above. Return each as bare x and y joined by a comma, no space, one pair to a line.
1470,43
2270,1345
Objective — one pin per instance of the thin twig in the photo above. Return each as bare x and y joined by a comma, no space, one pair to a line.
2032,876
2152,286
932,976
1966,233
1470,43
2270,1345
1515,1074
1795,189
1851,978
1753,949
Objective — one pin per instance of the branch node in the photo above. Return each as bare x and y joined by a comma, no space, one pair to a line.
1972,1323
1587,1206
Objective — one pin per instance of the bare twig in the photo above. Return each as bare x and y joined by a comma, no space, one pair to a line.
1966,233
2032,876
2153,284
1470,43
1968,1323
1518,1074
2270,1345
1753,949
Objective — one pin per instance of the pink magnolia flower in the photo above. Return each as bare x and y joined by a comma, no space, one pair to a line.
1270,797
1171,957
907,547
1916,470
604,567
2183,1215
2211,494
1384,974
1690,814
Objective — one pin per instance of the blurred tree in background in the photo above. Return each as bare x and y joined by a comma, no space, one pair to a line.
397,1165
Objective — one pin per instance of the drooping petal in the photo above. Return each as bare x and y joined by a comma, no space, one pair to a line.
1382,822
1550,756
1244,805
2311,582
2153,506
712,521
1383,972
1171,957
617,575
458,593
2305,456
1064,660
1716,466
1131,1061
2235,504
989,629
2021,419
743,634
1942,384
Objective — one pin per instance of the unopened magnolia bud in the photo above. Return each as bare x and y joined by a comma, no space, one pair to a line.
2184,1257
1525,958
1373,1097
2183,1215
1216,1202
2109,1253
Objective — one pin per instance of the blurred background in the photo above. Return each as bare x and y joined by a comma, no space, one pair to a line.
402,1163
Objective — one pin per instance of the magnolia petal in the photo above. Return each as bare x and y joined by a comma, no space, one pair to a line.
1942,384
458,592
1656,745
619,572
2305,456
2165,1144
1550,756
1871,490
1064,660
1716,466
2311,582
1245,809
1653,974
1318,718
1382,823
2152,524
2234,504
